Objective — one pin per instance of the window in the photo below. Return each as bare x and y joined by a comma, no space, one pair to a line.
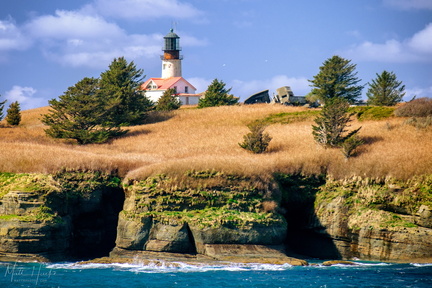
186,89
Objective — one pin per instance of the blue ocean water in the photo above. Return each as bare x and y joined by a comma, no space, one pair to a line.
236,275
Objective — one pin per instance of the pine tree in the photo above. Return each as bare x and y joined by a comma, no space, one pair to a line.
385,90
217,95
256,141
1,108
80,115
125,104
336,79
332,123
168,101
13,116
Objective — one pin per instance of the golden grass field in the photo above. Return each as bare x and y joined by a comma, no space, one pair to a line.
208,139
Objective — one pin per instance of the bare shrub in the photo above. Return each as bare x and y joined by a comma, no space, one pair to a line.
269,206
421,107
420,122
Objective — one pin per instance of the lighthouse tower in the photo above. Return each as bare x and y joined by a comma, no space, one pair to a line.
171,75
171,59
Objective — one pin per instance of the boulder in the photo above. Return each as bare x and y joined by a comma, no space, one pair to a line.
170,238
133,233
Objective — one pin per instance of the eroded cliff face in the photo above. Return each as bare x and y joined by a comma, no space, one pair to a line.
201,213
60,217
75,215
386,220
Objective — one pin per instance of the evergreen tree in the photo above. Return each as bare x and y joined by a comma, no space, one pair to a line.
336,79
168,101
332,123
1,108
80,115
385,90
256,141
217,95
119,90
13,116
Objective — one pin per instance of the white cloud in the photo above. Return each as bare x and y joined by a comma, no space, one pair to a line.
76,39
11,37
145,9
99,52
418,92
410,4
72,24
244,89
82,38
25,96
418,48
422,41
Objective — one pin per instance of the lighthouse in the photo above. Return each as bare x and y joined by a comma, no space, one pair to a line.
171,58
171,75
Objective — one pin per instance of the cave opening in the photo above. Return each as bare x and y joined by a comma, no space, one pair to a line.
94,224
298,197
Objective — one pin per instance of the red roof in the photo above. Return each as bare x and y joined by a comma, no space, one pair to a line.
164,83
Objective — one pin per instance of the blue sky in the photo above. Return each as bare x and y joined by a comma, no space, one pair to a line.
48,45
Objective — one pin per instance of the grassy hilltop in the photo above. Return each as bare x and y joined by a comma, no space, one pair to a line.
206,139
196,187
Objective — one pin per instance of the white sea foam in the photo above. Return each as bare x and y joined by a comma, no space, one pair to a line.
168,267
421,264
357,264
373,263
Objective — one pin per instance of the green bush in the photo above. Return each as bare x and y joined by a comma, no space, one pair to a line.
217,95
13,116
372,112
168,101
256,141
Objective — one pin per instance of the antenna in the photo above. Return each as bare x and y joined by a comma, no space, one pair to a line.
174,25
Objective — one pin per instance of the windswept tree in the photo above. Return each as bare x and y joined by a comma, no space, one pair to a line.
13,116
119,90
217,95
1,108
385,90
336,79
79,115
331,126
168,101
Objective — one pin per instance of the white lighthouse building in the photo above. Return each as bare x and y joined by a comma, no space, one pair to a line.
171,74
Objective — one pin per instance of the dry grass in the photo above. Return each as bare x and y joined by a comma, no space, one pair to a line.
208,139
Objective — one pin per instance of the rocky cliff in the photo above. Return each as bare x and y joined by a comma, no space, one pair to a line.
212,215
58,217
370,219
206,212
